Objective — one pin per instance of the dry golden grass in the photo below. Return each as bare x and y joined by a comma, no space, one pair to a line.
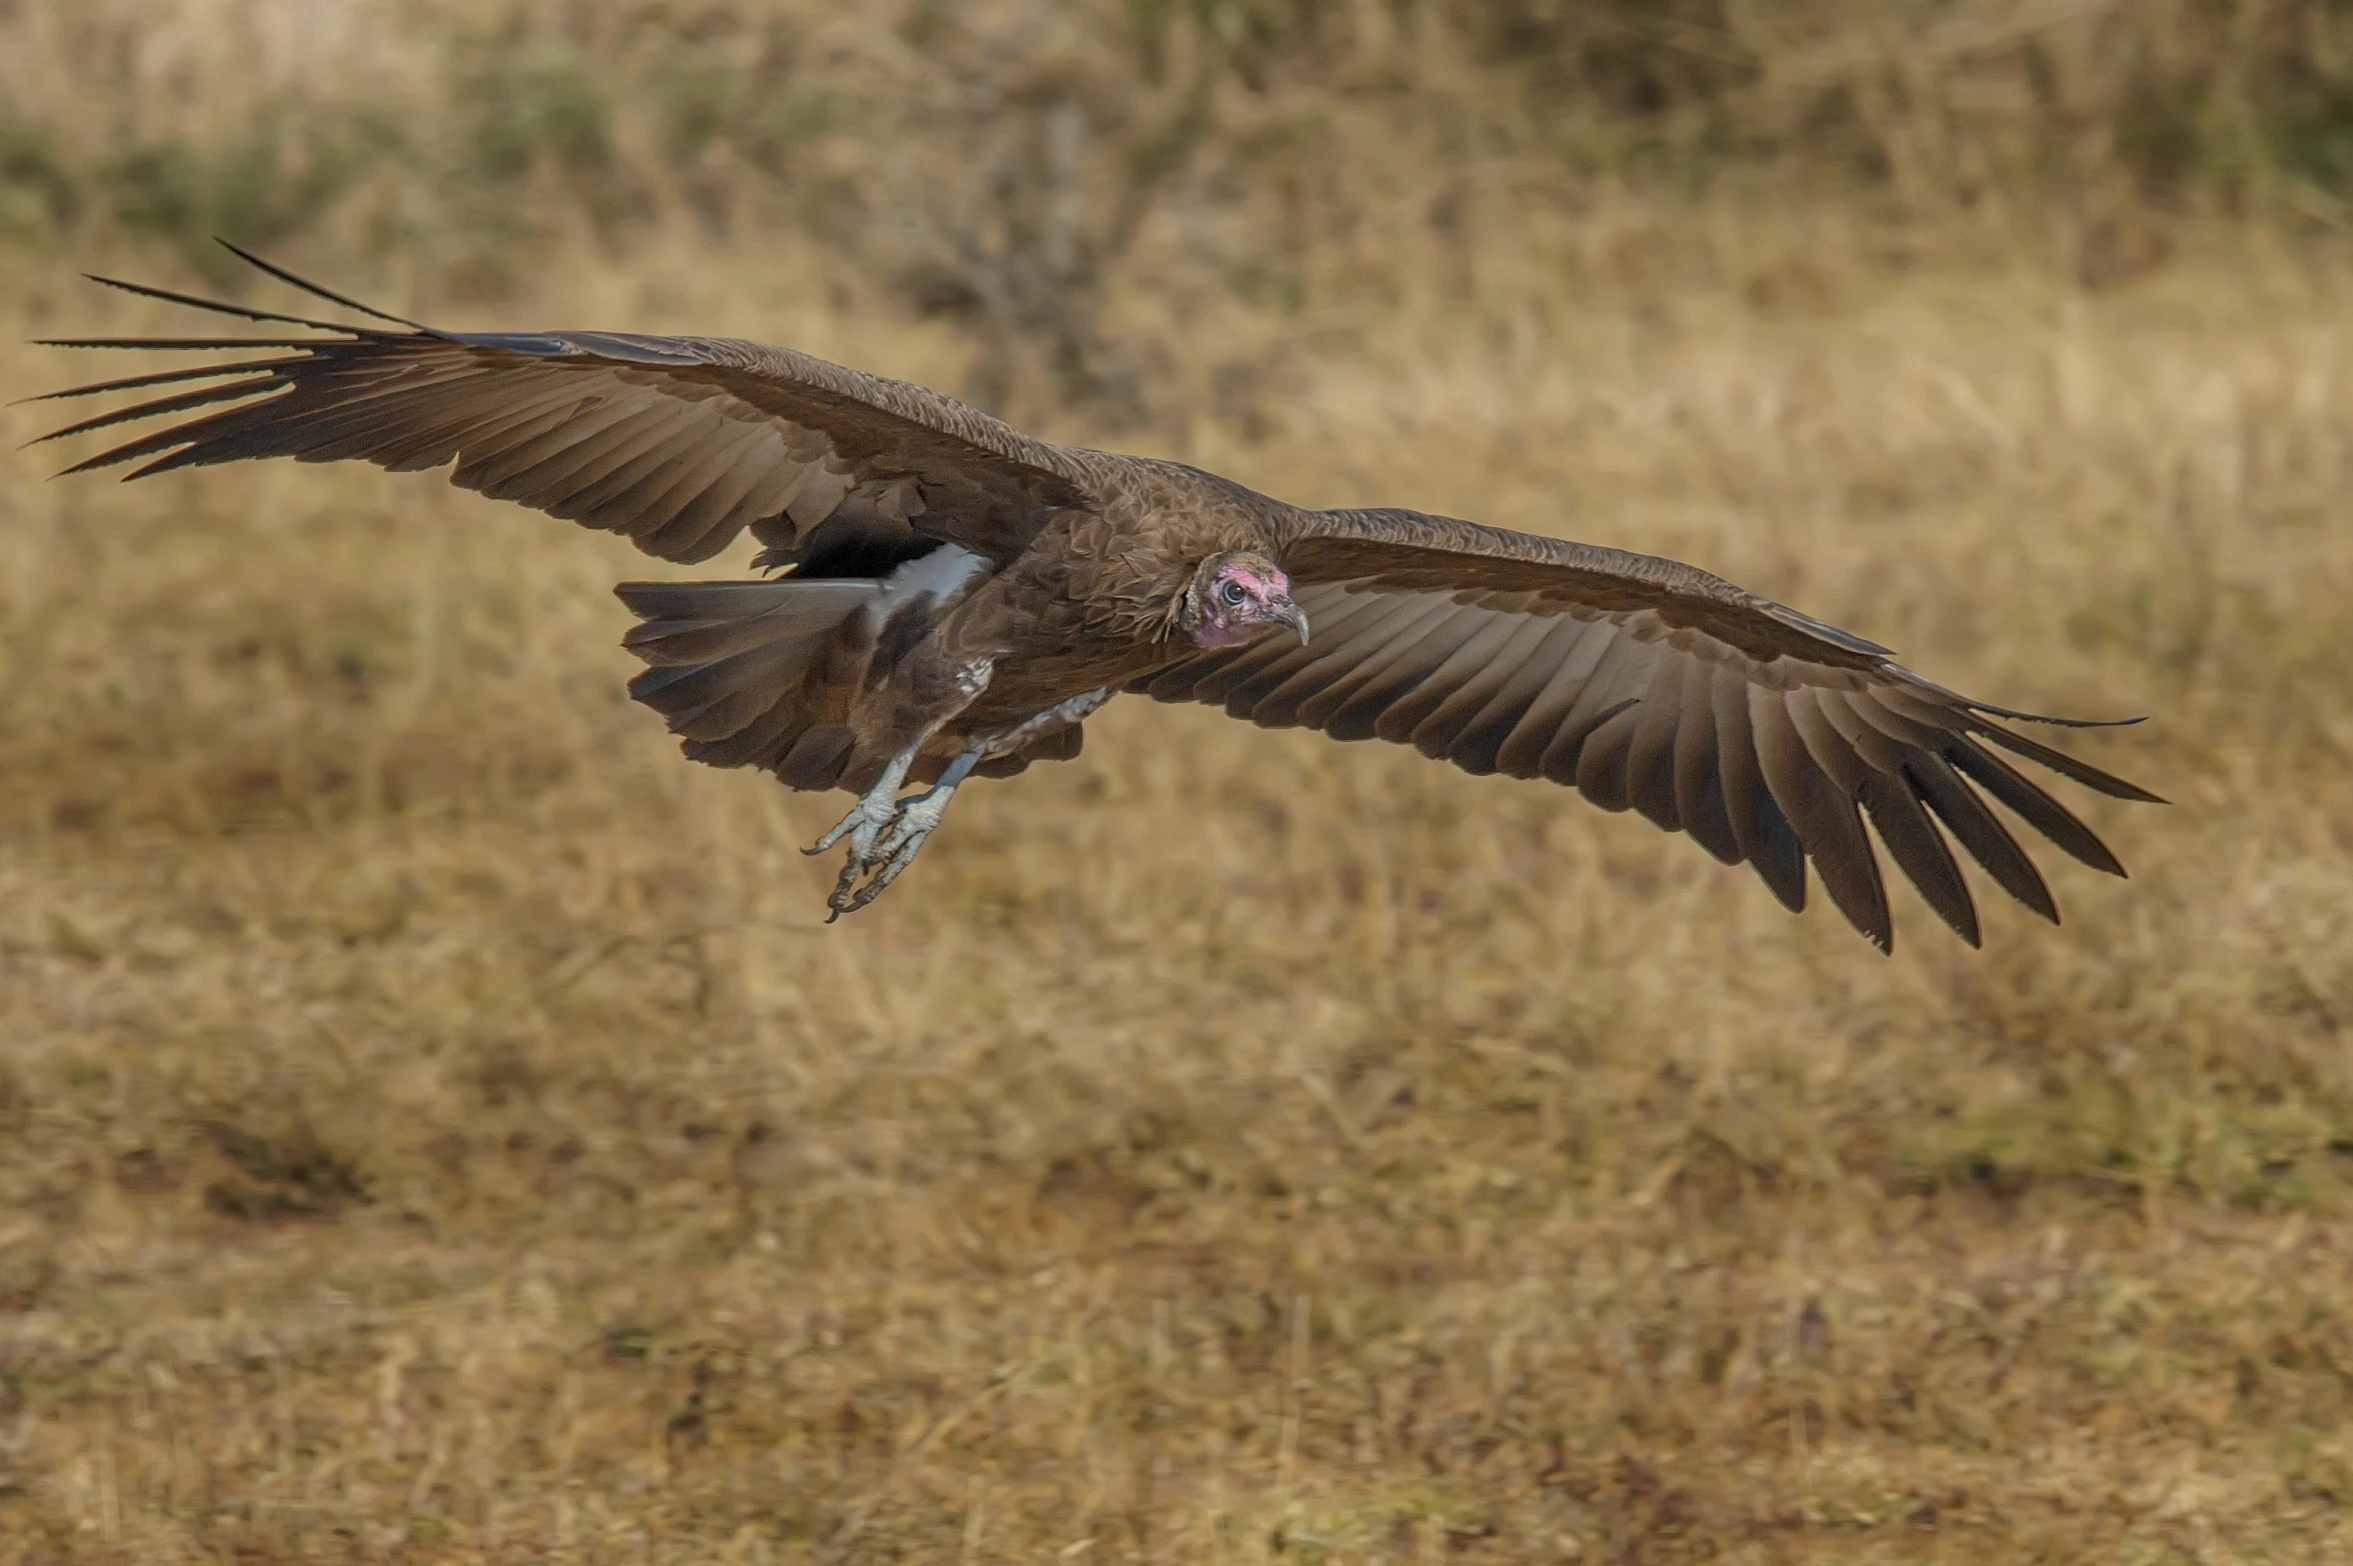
433,1127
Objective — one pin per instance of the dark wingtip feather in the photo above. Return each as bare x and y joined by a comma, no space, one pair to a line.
1784,876
182,402
200,372
1988,709
328,294
1920,851
1950,697
172,342
2067,766
218,307
2036,808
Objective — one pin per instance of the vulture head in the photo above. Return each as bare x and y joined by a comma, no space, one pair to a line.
1235,595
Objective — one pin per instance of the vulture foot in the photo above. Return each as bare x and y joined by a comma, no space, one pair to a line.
886,833
863,826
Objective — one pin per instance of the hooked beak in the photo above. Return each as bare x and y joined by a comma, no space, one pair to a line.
1296,618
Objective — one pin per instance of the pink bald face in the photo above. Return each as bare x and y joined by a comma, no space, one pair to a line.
1236,596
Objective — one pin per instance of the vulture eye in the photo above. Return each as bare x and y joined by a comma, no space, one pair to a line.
1232,593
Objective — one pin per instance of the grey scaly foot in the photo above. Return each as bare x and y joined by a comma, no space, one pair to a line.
917,818
864,826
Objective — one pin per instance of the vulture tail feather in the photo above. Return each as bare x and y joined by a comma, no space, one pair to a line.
731,665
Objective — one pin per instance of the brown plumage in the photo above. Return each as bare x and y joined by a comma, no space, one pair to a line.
957,598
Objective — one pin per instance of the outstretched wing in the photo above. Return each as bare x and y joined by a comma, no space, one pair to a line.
679,443
1765,734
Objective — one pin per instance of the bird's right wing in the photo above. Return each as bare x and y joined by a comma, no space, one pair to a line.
680,443
1765,734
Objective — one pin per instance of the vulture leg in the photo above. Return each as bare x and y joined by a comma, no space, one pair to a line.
864,826
918,817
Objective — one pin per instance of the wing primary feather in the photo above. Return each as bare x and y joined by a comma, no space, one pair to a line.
2067,766
1919,850
478,438
200,372
1906,731
376,423
219,307
1878,750
1826,820
311,424
1981,832
2038,809
210,432
155,408
258,429
421,439
215,343
546,452
328,294
190,435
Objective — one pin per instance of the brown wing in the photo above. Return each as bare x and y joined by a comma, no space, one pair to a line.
1766,735
678,442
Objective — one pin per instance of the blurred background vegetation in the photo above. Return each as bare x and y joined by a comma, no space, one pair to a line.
432,1125
1011,163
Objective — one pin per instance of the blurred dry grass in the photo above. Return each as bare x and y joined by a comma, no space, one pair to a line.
433,1127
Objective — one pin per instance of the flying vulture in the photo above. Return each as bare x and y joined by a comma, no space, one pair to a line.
956,598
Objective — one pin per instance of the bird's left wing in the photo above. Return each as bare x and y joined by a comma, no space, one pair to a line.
1765,734
679,443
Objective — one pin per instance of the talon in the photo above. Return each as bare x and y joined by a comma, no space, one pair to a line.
839,898
885,834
